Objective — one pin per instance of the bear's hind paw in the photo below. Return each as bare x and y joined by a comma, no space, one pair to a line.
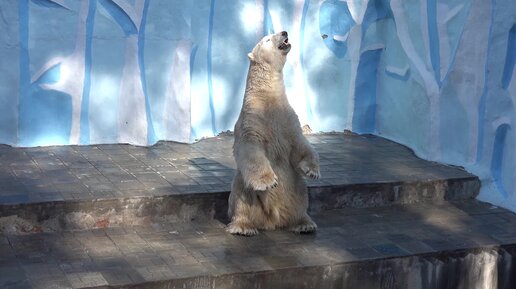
236,229
304,228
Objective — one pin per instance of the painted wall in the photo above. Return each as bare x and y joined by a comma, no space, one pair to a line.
446,86
436,75
139,71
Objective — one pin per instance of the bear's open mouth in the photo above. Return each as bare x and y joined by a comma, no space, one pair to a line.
284,45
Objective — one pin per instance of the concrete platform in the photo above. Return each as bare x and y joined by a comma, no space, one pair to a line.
85,187
466,244
120,216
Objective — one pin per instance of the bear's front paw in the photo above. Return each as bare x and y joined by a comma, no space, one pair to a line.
266,181
311,171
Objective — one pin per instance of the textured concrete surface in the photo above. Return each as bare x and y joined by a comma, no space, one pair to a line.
83,187
372,246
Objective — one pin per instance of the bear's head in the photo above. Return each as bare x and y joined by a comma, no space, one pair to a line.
272,51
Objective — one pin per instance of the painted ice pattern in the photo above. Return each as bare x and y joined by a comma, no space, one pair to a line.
176,110
132,103
436,75
70,70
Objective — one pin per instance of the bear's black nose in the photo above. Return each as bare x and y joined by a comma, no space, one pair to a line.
284,33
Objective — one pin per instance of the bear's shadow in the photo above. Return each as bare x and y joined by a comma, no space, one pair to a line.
206,168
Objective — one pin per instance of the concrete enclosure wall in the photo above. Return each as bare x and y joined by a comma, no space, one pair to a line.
436,75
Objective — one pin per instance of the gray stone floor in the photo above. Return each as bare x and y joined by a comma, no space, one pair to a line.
172,251
158,252
45,174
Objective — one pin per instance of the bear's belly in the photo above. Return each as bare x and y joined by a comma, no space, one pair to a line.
278,149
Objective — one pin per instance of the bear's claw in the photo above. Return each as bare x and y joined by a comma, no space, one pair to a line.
310,170
314,174
235,229
266,182
305,228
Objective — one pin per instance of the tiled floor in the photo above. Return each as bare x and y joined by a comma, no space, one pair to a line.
166,251
32,175
162,249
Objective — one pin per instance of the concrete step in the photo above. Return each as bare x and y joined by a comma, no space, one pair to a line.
465,244
84,187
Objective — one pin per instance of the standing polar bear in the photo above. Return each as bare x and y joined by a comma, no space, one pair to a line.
271,153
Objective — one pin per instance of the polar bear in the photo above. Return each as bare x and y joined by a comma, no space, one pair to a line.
271,153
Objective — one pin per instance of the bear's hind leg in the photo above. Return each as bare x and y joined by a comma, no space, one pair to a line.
305,225
240,208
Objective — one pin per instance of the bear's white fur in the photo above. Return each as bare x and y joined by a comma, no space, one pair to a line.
271,153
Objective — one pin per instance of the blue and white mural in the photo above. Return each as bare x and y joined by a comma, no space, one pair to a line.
436,75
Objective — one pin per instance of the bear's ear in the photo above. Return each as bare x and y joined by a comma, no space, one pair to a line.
250,56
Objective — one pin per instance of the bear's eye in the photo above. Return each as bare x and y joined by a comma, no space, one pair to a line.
268,40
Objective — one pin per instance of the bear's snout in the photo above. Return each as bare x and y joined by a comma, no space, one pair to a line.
283,42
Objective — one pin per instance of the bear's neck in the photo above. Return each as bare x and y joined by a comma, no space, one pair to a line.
264,81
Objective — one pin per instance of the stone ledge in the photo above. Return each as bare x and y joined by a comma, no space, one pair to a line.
86,214
465,269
